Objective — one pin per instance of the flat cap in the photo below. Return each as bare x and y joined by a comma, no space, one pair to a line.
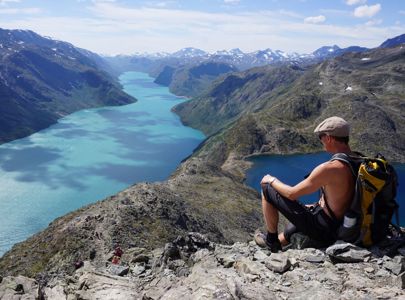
334,126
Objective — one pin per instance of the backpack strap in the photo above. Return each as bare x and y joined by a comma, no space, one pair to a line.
331,213
348,160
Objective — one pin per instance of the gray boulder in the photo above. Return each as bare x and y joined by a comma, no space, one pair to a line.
396,265
278,262
346,252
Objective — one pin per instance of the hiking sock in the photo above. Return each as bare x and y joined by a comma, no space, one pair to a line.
271,237
273,242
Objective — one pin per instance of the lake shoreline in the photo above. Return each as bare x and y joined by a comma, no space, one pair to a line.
90,155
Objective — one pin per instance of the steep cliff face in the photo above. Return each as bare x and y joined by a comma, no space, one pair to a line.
42,80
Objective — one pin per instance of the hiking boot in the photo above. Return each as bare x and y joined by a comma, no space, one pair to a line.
261,241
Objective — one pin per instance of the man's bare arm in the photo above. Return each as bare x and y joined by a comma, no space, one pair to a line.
318,177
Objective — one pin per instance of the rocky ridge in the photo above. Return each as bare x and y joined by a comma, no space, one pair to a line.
192,267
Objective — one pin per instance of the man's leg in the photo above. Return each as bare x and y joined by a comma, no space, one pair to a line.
270,214
285,236
282,239
317,225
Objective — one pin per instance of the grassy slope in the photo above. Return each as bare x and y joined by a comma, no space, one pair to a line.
192,79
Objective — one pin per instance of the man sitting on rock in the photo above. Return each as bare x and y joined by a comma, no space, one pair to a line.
334,178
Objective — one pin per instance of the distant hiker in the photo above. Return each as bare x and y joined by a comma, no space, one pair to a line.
117,255
118,251
116,260
335,180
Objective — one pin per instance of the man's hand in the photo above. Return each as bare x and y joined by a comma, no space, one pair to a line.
267,179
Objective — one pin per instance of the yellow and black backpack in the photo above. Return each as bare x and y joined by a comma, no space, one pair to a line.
374,201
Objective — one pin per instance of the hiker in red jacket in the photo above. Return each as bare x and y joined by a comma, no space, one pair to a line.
335,180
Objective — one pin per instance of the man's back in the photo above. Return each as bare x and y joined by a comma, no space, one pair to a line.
338,187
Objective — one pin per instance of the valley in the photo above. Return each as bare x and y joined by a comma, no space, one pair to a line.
267,109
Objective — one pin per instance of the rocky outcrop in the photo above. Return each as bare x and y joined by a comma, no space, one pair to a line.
192,267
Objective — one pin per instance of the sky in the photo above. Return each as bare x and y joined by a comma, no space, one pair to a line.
113,27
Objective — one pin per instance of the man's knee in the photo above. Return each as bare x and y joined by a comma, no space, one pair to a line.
289,230
267,192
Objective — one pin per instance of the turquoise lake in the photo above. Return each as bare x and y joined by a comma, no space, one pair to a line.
89,155
291,169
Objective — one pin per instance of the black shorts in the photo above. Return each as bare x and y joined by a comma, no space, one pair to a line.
311,221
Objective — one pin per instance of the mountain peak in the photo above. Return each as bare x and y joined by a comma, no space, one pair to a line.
395,41
189,52
236,51
326,51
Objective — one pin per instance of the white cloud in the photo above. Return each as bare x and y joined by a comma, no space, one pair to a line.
336,12
367,11
402,12
114,29
161,4
289,13
315,20
355,2
231,1
4,2
101,1
374,22
16,11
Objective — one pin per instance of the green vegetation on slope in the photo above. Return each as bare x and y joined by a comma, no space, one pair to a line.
191,80
364,88
236,95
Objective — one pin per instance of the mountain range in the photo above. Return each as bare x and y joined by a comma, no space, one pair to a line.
236,57
173,69
42,80
148,62
272,109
